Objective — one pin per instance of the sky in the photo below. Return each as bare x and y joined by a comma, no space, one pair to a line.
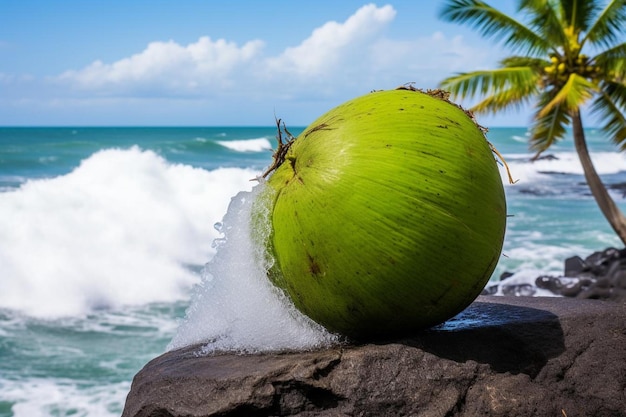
223,63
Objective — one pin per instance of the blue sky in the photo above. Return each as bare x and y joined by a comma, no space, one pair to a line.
218,63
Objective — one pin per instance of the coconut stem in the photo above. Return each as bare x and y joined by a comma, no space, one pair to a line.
281,152
506,166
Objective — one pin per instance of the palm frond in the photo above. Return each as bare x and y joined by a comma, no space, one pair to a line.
469,84
608,26
612,62
547,128
616,91
578,13
545,19
505,99
491,22
571,95
610,105
531,4
525,61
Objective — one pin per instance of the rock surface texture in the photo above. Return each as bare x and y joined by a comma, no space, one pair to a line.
503,356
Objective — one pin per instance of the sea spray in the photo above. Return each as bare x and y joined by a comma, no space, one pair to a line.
125,227
247,145
235,307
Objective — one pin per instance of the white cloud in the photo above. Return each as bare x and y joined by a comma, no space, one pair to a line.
333,42
338,60
167,67
207,66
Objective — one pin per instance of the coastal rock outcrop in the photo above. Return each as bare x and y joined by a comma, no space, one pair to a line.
601,275
503,356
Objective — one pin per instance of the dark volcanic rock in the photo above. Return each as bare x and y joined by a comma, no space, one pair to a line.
503,356
601,276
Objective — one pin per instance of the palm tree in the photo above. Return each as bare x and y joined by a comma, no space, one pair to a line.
570,55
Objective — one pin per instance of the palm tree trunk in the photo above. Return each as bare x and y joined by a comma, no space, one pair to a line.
608,207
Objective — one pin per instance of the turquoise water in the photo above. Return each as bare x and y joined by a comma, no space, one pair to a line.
27,153
104,233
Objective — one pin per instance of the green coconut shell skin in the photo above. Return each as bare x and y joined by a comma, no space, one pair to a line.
387,215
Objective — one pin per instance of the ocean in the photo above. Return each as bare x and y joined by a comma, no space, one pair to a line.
106,232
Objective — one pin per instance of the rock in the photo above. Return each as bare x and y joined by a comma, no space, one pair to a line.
574,266
621,187
601,275
505,275
503,356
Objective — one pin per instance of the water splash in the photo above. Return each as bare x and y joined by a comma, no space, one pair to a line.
124,228
235,307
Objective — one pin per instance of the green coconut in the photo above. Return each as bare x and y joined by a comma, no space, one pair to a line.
387,214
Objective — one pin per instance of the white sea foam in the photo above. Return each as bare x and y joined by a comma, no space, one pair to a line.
47,159
247,145
121,229
236,308
39,397
524,283
533,256
526,171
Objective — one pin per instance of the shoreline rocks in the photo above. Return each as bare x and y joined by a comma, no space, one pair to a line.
503,356
601,275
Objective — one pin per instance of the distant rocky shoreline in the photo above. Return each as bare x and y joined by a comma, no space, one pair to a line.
601,275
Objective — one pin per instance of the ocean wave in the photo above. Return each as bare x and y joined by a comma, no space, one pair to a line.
121,229
34,397
80,358
9,182
47,159
527,171
247,145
